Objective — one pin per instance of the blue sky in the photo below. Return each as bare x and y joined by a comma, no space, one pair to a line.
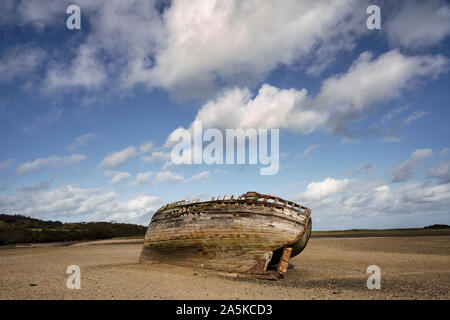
85,115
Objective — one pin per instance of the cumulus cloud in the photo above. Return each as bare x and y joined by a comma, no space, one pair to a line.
334,199
271,107
404,171
325,188
117,176
170,176
342,98
156,156
49,162
228,41
81,141
122,40
192,46
419,24
143,178
370,81
440,171
74,204
118,158
86,71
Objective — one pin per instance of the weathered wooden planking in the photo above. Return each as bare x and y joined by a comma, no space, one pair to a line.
225,235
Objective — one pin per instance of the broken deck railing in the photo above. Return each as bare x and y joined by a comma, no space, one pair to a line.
249,197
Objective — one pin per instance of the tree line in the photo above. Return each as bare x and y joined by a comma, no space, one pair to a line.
22,229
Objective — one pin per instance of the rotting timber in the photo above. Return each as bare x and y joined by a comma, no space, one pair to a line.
254,235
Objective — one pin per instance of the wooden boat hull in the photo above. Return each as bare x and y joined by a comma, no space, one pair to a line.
241,236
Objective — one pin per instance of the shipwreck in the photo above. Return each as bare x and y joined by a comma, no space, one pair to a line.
253,235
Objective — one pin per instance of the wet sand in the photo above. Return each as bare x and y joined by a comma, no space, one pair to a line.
329,268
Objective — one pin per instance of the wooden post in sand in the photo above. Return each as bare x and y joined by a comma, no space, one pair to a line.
284,261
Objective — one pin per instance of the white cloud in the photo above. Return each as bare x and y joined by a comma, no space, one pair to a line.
191,45
370,81
440,171
270,108
123,36
85,71
308,150
146,147
167,165
157,156
419,24
75,204
80,141
333,199
39,13
117,176
118,158
143,178
164,176
199,176
404,171
52,162
138,209
228,41
325,188
20,62
170,176
342,99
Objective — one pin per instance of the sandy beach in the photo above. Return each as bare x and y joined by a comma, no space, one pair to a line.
329,268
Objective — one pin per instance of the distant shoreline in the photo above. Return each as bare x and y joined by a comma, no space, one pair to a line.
355,233
409,232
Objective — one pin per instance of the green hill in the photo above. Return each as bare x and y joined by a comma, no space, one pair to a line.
21,229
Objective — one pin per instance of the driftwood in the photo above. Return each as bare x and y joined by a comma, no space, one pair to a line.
254,235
